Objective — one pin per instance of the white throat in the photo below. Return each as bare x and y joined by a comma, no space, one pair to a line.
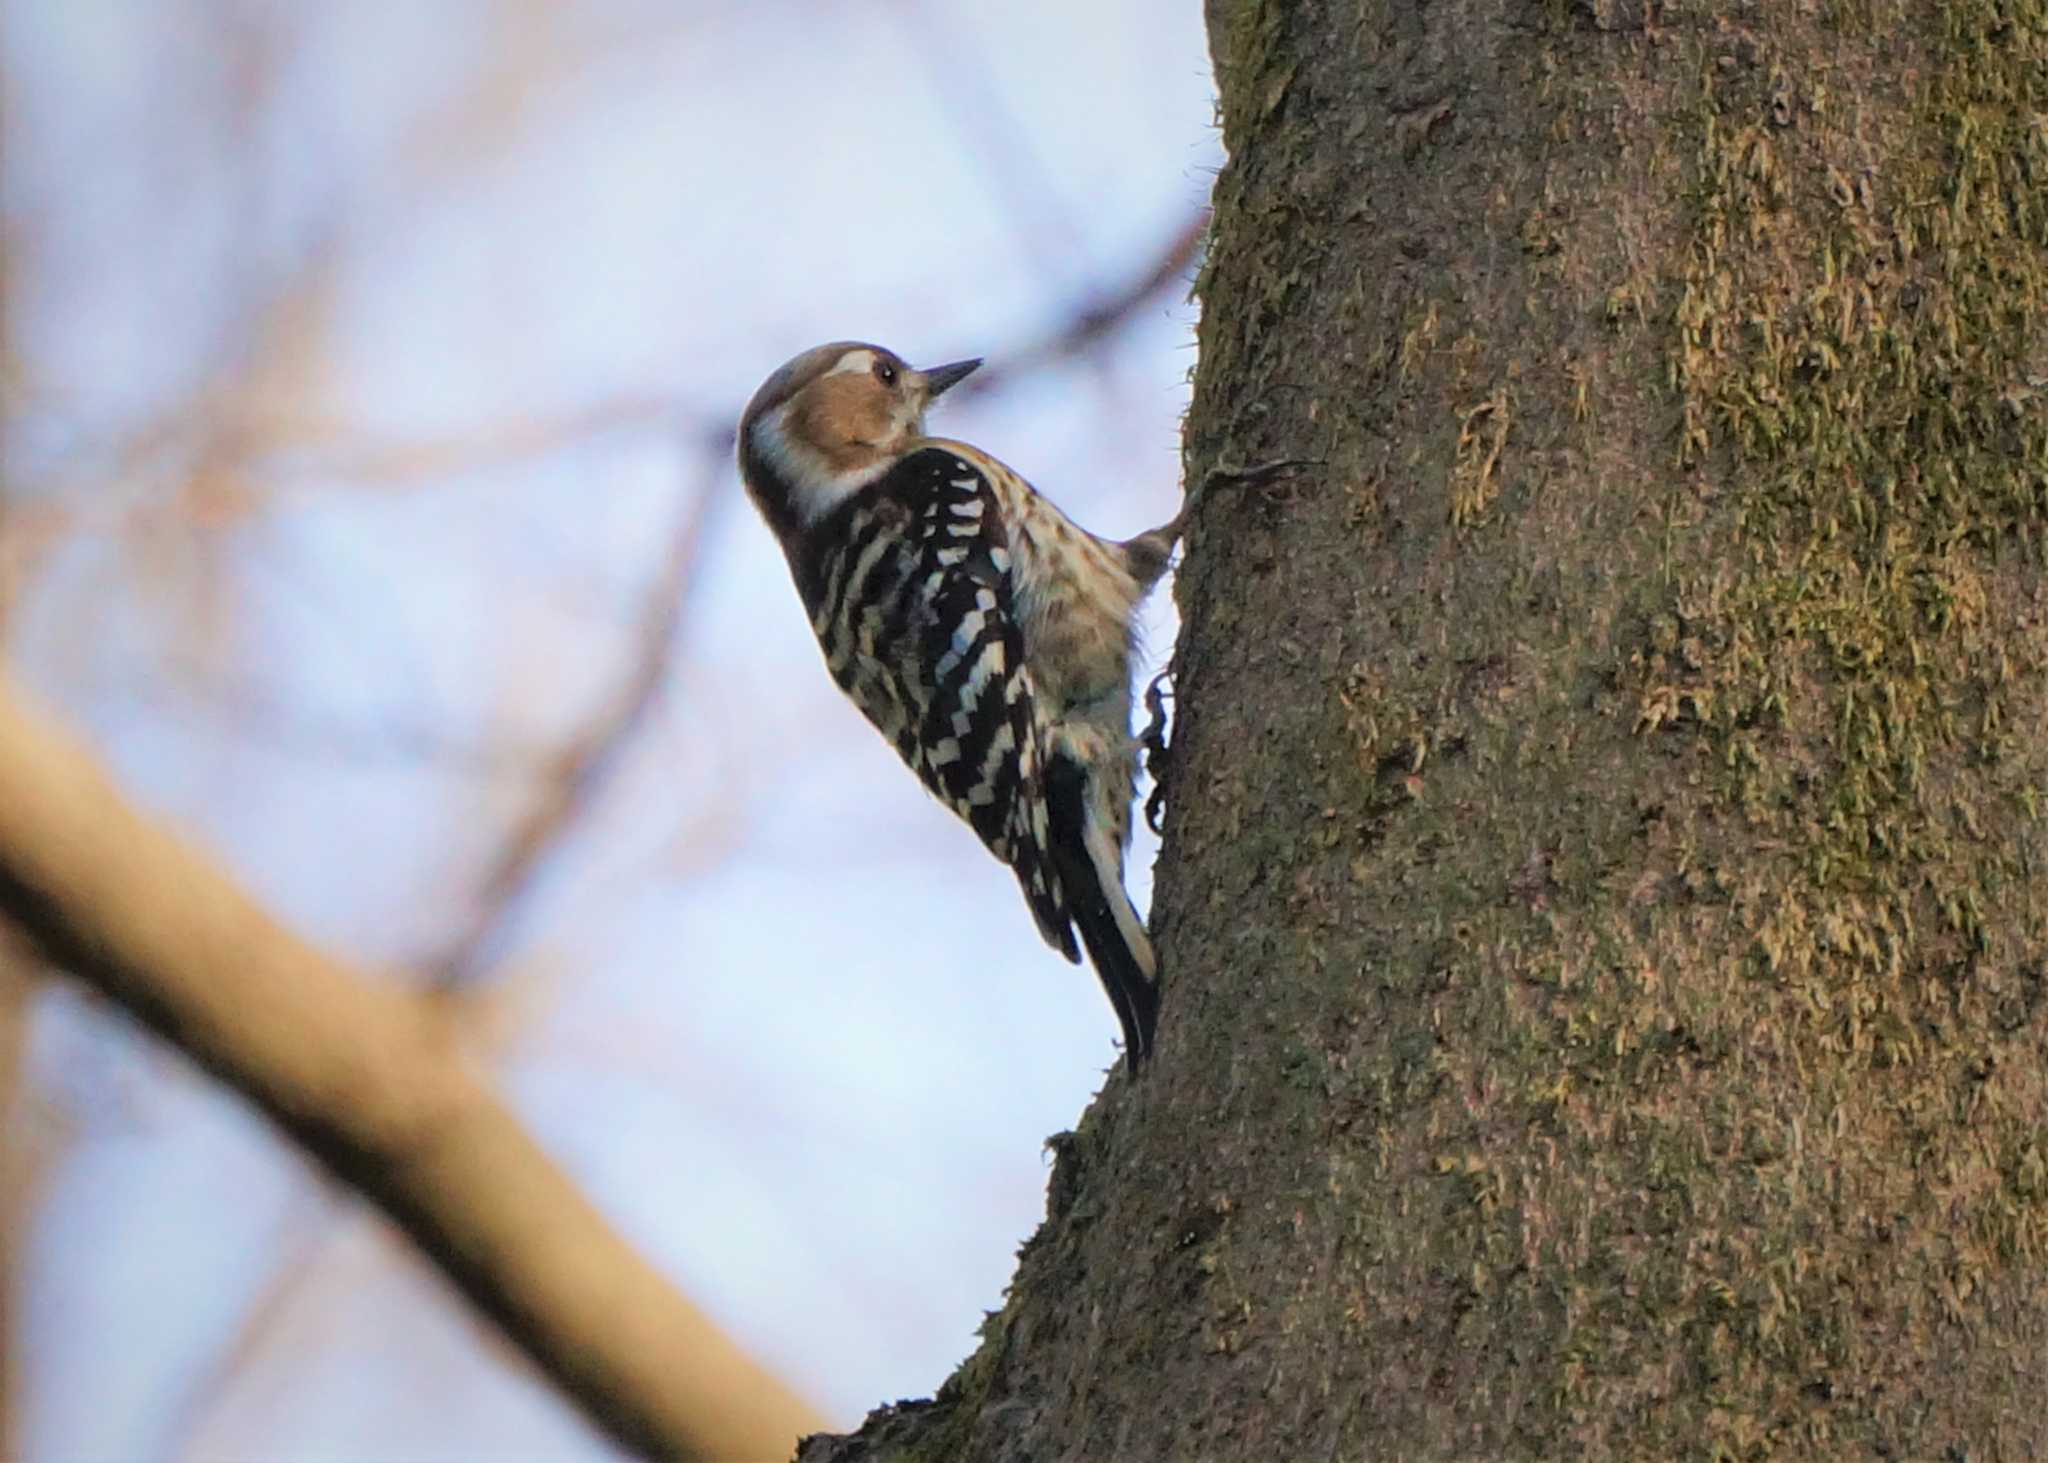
815,489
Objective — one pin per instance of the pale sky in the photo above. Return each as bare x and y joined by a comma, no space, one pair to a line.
772,1006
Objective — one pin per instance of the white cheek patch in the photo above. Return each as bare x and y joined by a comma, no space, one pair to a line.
814,488
856,362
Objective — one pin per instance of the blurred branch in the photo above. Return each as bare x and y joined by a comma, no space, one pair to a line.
586,766
303,1238
1093,323
965,86
575,780
30,529
368,1080
15,1177
250,712
508,442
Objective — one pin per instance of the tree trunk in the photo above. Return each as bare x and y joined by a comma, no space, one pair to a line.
1602,896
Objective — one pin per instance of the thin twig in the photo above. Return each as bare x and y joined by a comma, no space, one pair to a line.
1089,326
587,765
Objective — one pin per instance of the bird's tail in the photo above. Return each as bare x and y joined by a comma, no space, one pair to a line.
1089,863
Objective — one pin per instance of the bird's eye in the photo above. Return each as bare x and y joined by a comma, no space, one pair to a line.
885,373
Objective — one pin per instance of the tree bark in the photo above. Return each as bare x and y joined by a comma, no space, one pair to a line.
1602,902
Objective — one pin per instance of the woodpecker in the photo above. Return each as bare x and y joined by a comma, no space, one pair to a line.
985,634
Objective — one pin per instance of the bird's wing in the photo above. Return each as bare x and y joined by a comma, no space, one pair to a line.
933,654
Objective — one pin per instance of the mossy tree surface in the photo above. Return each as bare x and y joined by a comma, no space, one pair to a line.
1603,894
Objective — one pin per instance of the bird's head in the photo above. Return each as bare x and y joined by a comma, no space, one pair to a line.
830,422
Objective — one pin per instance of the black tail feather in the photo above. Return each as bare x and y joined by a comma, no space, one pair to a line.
1133,993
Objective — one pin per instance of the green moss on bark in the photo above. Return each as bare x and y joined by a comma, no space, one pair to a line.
1682,1079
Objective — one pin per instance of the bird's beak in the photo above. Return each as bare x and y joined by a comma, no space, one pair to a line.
939,378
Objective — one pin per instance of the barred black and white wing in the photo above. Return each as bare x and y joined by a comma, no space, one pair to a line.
985,634
909,592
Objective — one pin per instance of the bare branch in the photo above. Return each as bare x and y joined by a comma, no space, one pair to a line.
248,711
367,1078
586,766
16,1165
1095,322
369,463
